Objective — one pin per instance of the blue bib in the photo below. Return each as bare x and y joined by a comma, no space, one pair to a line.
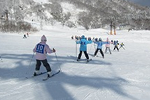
82,43
40,48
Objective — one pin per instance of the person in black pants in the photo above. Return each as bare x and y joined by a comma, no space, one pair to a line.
80,54
116,45
41,50
100,44
83,47
45,63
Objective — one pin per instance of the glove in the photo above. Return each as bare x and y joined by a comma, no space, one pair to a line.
54,50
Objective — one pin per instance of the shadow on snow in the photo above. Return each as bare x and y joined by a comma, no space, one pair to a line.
24,66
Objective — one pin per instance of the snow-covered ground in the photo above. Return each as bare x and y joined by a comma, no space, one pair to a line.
41,1
122,75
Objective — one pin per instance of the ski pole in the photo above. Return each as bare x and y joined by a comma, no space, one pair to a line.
94,46
90,48
58,61
1,58
76,50
31,60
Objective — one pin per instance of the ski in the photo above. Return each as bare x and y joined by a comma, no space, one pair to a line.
84,60
36,75
88,60
51,76
1,59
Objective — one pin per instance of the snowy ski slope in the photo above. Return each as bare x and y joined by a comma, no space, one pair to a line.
123,75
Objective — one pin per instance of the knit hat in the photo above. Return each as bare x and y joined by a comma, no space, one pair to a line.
100,39
82,37
43,38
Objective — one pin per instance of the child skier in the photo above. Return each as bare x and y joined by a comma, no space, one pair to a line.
28,34
24,36
83,47
99,47
41,50
108,46
116,45
122,45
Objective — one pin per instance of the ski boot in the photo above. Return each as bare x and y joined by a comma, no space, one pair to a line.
88,60
48,74
36,73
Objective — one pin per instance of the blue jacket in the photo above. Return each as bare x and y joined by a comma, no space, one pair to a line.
83,44
100,44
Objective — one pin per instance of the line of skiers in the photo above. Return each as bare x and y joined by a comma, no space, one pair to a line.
41,49
83,41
